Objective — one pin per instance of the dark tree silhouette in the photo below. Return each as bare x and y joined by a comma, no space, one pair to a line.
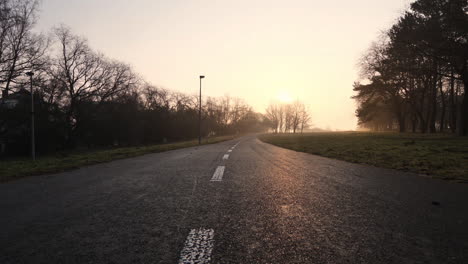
416,75
85,100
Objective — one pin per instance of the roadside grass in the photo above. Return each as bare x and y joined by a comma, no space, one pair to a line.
439,156
18,168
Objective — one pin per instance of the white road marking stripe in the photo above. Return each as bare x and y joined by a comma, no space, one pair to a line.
198,247
230,150
218,174
226,156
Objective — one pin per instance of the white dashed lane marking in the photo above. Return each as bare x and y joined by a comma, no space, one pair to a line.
218,174
226,157
198,247
230,150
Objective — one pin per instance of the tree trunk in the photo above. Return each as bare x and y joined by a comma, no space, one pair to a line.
462,125
453,104
422,125
422,122
432,118
71,120
399,112
414,123
402,122
442,114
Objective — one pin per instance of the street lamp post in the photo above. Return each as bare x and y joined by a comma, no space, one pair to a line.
33,143
199,113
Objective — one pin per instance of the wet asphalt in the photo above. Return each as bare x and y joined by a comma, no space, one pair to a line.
272,206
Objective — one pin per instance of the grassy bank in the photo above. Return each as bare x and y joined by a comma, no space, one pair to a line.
440,156
13,169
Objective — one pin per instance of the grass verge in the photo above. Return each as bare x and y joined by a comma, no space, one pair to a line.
440,156
14,169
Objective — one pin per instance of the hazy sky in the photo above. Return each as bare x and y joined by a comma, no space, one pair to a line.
258,50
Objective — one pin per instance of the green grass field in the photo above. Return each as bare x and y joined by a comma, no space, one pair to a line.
13,169
440,156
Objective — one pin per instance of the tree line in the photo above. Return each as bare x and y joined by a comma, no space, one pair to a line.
293,117
415,77
85,99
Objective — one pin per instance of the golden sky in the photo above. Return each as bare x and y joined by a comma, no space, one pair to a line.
258,50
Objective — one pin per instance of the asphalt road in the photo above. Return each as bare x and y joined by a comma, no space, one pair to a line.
267,205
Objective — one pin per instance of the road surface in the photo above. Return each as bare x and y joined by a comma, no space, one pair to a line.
252,203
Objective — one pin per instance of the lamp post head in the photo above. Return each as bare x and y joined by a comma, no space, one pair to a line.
30,74
202,76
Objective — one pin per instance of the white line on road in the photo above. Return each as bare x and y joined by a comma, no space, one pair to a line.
230,150
198,247
226,157
218,174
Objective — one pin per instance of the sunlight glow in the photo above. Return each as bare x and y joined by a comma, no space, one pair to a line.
310,54
284,97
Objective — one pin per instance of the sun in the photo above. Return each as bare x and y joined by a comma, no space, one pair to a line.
284,97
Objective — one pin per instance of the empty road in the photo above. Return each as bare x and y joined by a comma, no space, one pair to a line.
239,201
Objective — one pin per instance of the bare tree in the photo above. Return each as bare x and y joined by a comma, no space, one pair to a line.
274,115
287,117
297,108
225,110
86,76
305,118
154,97
20,49
182,102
